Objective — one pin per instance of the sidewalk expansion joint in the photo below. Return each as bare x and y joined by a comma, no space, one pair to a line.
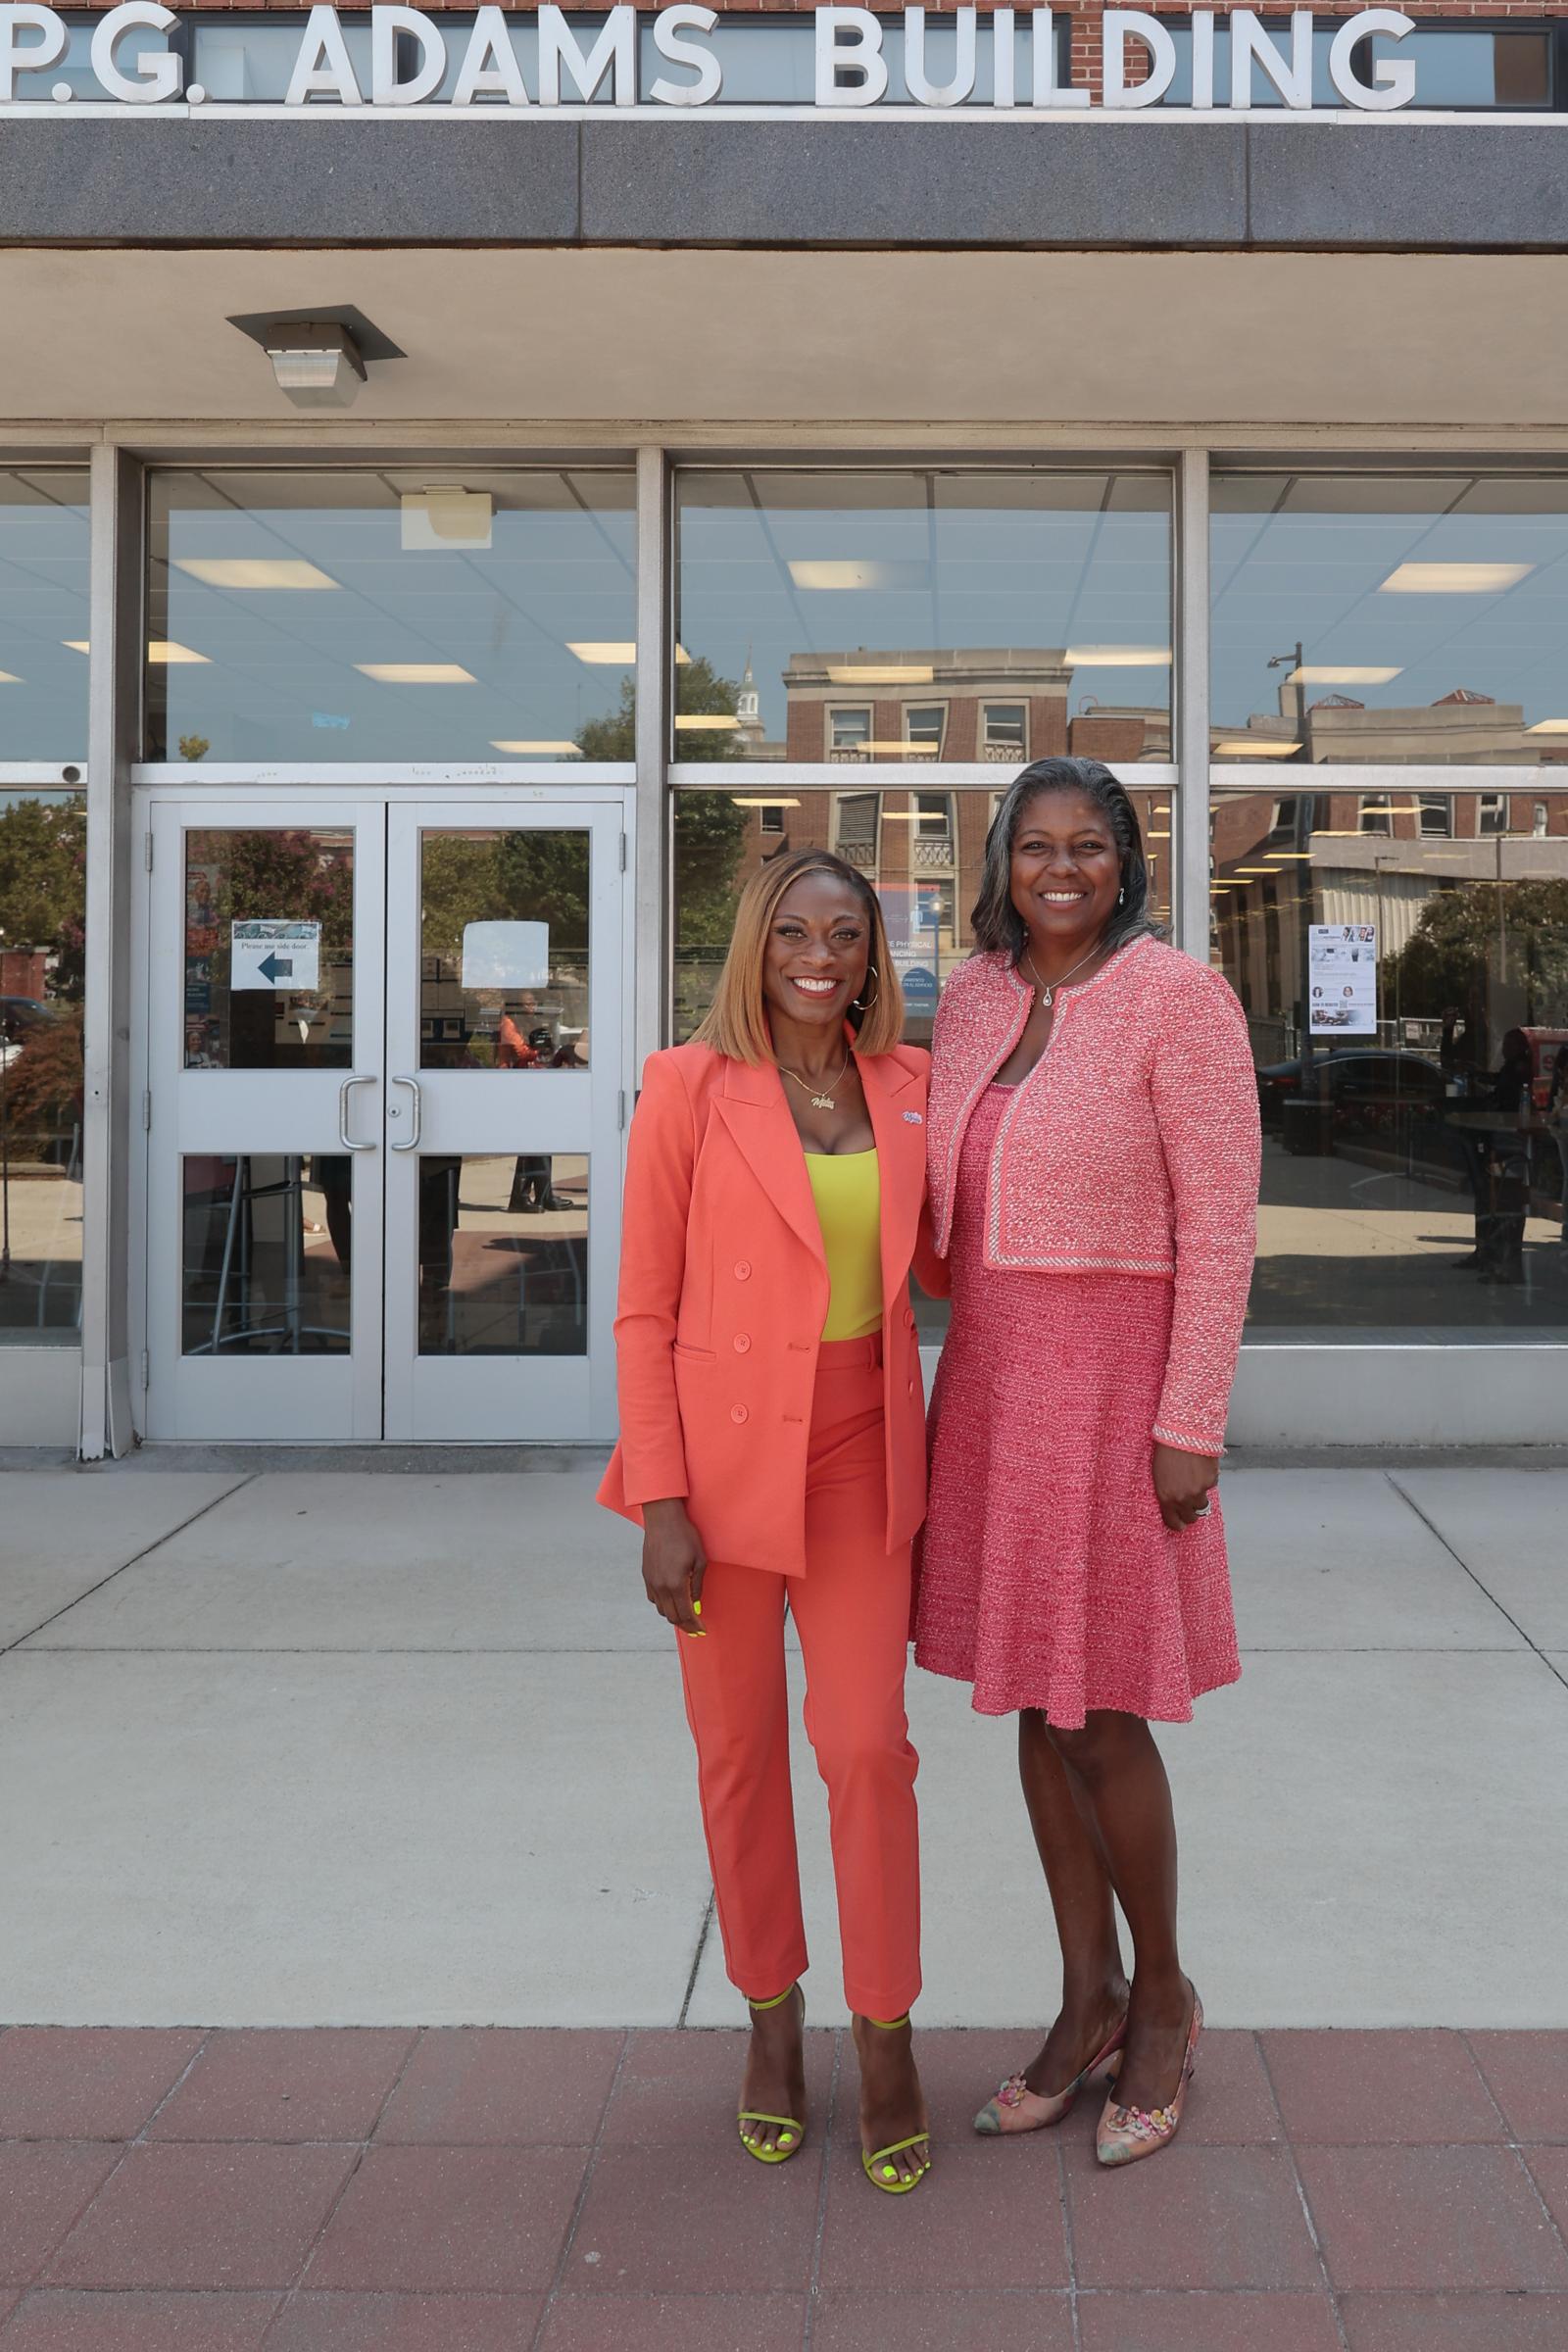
145,1552
1432,1529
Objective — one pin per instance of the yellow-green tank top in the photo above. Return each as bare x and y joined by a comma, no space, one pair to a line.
846,1187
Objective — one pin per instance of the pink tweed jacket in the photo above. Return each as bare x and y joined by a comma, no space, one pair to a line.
1131,1148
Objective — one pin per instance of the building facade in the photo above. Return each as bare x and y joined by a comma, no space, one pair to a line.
476,484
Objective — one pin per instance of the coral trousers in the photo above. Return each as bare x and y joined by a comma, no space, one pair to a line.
851,1611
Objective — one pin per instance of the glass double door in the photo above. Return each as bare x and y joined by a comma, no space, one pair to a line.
384,1105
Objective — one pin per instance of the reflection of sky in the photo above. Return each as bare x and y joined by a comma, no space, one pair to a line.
43,601
279,680
1306,558
1029,563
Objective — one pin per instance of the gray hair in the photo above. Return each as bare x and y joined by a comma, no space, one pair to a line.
999,927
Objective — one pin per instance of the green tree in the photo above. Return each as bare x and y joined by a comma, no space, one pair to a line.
709,830
43,866
1473,947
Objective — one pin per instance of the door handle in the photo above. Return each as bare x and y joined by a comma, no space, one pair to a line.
343,1135
412,1140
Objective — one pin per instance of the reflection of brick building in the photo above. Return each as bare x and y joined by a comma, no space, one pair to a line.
1462,728
998,707
1283,860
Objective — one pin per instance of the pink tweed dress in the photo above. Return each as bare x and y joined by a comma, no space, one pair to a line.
1047,1577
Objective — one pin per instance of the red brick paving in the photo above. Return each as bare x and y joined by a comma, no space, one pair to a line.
360,2190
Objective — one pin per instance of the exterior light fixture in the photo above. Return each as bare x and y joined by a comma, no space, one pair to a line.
315,362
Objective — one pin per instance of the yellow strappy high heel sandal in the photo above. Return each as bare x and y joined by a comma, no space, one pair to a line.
791,2131
878,2164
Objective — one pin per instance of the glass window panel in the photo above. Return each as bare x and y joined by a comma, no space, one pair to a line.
43,615
1397,621
268,950
43,874
1472,68
400,615
1047,593
503,1246
1413,1159
504,961
267,1248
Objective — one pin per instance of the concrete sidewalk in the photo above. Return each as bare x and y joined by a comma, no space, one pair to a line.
395,1766
310,1747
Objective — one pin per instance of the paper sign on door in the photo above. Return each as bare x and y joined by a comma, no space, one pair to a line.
283,956
506,954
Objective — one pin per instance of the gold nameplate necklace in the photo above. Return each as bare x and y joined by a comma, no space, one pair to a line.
823,1101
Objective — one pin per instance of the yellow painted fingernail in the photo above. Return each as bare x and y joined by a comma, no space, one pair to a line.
697,1608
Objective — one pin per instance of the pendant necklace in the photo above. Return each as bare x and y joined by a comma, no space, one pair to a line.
823,1101
1048,989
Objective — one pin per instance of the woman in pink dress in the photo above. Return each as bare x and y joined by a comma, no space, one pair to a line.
1093,1131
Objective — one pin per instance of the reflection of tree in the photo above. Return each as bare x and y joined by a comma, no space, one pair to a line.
43,866
44,1085
535,877
709,830
1452,956
293,877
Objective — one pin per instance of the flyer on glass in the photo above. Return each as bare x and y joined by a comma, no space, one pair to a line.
1342,979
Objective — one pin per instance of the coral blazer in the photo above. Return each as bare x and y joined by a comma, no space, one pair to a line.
724,1294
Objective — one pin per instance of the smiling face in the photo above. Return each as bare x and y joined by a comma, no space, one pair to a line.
818,945
1066,868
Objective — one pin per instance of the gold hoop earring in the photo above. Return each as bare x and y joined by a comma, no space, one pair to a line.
876,975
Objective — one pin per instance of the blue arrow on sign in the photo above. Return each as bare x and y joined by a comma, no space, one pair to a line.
274,968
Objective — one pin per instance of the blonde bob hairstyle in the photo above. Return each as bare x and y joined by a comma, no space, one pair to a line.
736,1024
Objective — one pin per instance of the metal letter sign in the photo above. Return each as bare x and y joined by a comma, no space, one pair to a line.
405,62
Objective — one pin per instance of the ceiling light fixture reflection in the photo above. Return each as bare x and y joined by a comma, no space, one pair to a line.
254,571
446,515
1453,579
1117,656
416,673
887,673
1287,853
710,720
611,652
1342,674
160,648
538,750
841,573
1548,726
1255,750
747,800
9,678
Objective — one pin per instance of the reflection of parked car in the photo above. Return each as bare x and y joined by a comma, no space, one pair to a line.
21,1017
1398,1099
1356,1084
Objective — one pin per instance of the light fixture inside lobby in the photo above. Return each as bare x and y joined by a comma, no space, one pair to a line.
1117,656
254,571
1338,673
416,673
1548,726
446,515
708,721
1255,750
533,748
1453,579
885,673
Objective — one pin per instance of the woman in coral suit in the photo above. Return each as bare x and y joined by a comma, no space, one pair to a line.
773,1448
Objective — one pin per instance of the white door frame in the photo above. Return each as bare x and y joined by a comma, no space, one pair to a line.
328,796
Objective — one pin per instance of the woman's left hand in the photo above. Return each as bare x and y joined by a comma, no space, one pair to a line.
1183,1483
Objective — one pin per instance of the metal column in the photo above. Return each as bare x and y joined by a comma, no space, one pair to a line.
654,667
1189,898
